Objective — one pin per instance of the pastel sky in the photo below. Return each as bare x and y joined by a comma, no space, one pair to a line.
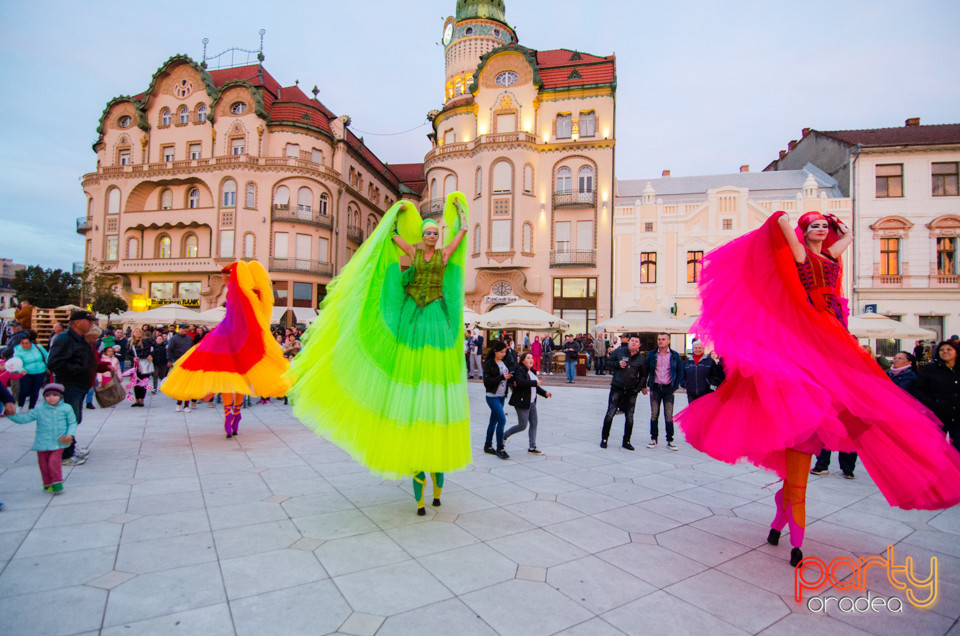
703,86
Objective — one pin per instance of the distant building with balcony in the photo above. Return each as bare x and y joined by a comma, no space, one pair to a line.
207,167
528,136
663,227
8,269
906,208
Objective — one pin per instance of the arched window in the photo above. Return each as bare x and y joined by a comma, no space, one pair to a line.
527,238
202,113
479,181
193,198
165,117
502,177
476,239
564,180
585,179
449,184
251,200
304,200
133,248
183,115
316,156
457,87
163,247
190,246
166,199
433,189
281,198
248,245
528,179
292,150
323,204
229,194
113,201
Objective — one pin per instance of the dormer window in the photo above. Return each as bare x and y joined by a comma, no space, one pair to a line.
125,122
507,78
238,108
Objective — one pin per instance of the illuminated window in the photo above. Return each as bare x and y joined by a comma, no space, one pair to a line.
164,245
564,180
890,257
112,245
947,256
694,266
564,126
190,246
648,267
588,124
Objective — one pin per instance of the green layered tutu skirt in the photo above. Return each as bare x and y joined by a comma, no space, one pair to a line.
381,376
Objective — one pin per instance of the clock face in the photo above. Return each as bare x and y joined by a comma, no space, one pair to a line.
448,33
507,78
502,288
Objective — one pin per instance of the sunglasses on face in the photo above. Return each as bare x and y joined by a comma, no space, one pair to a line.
431,234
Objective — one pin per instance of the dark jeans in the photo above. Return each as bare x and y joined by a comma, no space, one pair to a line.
601,363
848,461
661,393
497,420
30,386
159,373
626,401
73,395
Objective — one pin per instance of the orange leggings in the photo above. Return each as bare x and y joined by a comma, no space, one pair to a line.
791,499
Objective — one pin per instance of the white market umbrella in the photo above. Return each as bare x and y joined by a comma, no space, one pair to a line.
873,326
470,317
909,332
8,314
212,316
522,315
640,320
305,315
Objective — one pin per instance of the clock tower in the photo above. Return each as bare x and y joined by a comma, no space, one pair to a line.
478,27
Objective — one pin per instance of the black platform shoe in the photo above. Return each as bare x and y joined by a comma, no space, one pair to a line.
795,557
436,502
421,512
488,448
774,537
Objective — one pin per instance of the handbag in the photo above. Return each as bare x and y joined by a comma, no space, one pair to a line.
145,367
110,394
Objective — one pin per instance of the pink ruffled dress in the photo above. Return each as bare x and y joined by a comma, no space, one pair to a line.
797,379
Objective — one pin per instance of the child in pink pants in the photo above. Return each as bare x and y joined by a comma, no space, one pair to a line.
56,424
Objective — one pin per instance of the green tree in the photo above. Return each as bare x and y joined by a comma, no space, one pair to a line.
100,290
108,303
46,287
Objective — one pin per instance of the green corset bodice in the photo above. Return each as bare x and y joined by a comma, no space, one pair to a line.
427,283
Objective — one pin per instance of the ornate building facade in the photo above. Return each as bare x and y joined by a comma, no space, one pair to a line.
906,208
206,167
528,136
664,226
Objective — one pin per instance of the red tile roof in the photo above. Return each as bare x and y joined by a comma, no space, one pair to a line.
557,69
250,73
410,175
903,136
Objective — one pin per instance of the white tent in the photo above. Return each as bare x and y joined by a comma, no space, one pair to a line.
165,315
470,317
640,320
212,316
521,315
306,315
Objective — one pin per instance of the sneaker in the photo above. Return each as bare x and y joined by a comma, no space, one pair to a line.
627,445
820,471
652,444
74,461
534,451
848,476
57,488
489,450
90,405
672,446
81,452
186,409
603,443
502,454
178,408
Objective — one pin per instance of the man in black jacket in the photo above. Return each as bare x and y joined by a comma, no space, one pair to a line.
571,354
74,365
179,344
700,372
629,377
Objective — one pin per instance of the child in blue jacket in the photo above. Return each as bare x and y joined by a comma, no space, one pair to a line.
56,424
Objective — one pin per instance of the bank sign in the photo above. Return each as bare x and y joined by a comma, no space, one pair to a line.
500,300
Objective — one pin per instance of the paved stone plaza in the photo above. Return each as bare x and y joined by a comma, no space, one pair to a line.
170,528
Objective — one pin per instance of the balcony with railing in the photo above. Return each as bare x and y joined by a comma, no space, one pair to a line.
354,234
945,280
888,280
573,258
301,266
432,208
282,212
147,265
575,199
84,225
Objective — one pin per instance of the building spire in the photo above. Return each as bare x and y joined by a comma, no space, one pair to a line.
489,9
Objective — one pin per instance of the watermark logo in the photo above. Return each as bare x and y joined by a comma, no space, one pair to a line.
813,574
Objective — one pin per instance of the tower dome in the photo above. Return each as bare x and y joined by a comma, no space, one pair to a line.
488,9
